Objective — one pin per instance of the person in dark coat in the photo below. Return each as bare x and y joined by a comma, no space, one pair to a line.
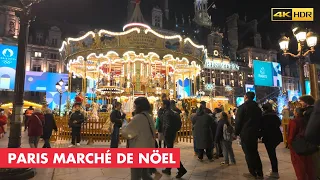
169,132
49,125
75,122
35,128
248,120
216,116
203,133
174,107
117,119
312,133
192,116
271,136
206,110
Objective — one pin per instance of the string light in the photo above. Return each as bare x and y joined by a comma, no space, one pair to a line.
101,32
135,24
82,37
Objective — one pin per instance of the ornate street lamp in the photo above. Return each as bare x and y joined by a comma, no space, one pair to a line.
59,87
25,16
307,40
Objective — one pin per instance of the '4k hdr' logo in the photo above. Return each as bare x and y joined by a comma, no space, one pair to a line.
292,14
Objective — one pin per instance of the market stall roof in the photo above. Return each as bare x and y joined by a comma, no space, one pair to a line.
25,104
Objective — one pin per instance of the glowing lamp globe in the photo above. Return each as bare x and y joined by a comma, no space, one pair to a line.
312,39
284,43
301,36
66,86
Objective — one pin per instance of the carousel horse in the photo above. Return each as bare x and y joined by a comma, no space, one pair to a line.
94,111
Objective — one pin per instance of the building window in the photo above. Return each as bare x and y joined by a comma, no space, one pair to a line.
39,38
36,67
37,54
157,21
53,56
54,42
53,68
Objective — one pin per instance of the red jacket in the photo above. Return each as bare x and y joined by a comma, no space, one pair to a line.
3,121
35,125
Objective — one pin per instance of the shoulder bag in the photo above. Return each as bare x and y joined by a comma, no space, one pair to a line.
153,135
302,147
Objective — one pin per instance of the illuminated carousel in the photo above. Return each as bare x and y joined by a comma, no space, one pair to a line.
136,62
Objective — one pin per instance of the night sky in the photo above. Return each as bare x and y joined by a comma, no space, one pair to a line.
111,14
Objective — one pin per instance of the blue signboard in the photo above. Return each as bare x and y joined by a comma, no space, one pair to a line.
308,88
184,88
8,63
251,88
267,73
239,101
43,81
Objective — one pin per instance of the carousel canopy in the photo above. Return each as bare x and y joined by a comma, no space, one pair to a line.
103,52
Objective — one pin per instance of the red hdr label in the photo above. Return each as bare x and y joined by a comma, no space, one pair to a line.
89,158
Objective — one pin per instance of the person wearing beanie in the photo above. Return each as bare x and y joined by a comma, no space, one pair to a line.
307,103
75,122
35,128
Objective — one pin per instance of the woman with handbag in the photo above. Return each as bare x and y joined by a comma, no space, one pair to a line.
141,133
303,164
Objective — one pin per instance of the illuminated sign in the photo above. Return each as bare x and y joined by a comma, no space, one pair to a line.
292,14
221,66
267,73
8,63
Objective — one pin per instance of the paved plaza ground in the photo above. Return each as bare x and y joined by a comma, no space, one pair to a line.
196,170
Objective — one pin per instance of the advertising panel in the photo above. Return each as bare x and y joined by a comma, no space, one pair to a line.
239,101
184,89
43,81
267,73
250,88
308,88
8,63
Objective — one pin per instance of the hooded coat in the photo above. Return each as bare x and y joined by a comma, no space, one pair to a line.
312,131
202,129
270,128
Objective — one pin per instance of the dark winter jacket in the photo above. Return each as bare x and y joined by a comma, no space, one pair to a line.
207,110
248,120
219,132
49,125
270,128
116,118
202,129
35,124
76,119
313,128
168,124
160,120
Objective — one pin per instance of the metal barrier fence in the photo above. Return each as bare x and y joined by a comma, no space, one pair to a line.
99,131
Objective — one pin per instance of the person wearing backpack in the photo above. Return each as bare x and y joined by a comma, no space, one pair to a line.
171,125
271,136
225,134
302,164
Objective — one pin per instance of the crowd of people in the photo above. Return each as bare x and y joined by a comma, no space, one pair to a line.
213,133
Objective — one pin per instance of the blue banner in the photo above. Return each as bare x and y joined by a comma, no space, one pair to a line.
8,63
43,81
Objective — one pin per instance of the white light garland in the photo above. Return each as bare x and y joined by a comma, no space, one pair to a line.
135,24
64,43
101,32
82,37
193,44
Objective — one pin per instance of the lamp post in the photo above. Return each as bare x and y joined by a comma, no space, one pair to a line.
307,40
59,87
15,123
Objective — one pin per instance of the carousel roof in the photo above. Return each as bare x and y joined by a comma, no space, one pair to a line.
86,55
